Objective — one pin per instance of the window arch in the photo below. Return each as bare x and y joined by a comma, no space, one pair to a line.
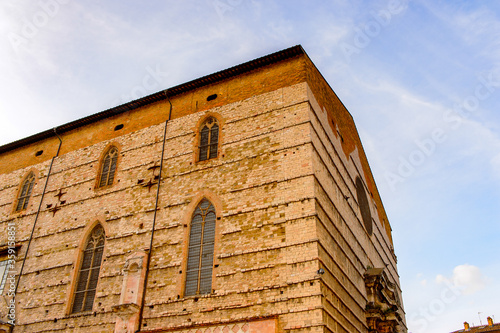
108,168
209,139
201,250
88,273
25,193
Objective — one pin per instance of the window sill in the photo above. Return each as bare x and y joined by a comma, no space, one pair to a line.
79,314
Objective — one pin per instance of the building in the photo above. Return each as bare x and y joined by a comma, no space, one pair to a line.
490,327
241,201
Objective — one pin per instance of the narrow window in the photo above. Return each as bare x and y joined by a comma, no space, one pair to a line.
88,273
209,139
24,195
364,206
108,167
201,250
4,270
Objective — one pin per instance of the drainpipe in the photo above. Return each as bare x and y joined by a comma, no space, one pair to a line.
36,217
141,311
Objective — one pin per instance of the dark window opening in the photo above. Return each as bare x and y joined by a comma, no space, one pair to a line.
364,206
38,153
118,127
211,97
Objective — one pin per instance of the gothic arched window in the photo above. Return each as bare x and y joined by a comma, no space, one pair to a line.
209,139
108,168
88,274
201,250
25,193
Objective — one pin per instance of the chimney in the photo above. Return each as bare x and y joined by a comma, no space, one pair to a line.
490,321
466,326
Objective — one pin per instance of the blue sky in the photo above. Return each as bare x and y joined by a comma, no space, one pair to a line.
421,79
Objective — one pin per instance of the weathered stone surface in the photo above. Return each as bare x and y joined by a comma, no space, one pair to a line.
283,186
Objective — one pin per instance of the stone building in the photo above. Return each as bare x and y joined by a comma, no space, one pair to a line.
241,201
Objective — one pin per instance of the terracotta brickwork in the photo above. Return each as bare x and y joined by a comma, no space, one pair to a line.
291,252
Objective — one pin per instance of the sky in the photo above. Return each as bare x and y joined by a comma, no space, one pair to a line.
420,77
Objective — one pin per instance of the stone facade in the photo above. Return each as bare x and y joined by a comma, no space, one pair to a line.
293,250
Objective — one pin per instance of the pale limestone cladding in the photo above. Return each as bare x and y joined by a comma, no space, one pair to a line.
285,196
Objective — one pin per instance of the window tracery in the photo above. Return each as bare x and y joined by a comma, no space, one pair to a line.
201,250
25,193
88,274
209,139
108,168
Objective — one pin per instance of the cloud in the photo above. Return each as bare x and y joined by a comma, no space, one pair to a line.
443,305
468,278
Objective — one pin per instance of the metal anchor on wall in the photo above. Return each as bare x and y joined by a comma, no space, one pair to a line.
156,176
57,207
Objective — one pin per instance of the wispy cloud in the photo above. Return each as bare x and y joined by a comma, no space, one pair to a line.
399,88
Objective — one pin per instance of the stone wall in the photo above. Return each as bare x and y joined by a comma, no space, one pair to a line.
290,252
346,249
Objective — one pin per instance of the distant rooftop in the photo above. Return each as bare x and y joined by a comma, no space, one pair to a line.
490,327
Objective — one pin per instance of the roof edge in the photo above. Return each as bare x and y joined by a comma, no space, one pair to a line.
159,96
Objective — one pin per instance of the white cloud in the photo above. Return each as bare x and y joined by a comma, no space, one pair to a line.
467,278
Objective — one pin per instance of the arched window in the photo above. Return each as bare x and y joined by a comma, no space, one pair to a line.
25,193
108,168
209,139
364,206
201,250
88,274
